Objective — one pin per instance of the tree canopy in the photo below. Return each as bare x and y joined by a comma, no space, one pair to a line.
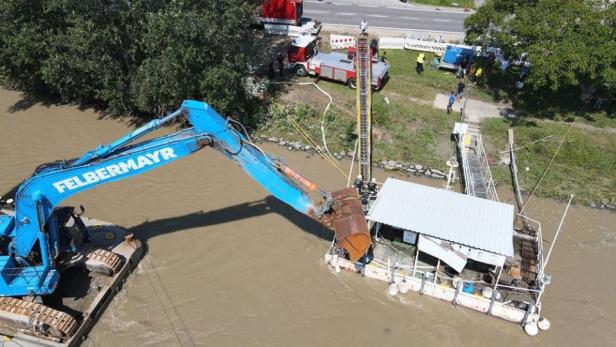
131,57
570,43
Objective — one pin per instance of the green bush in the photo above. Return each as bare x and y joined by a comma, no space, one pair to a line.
137,57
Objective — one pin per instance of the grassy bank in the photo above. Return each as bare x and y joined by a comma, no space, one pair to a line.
405,81
585,164
564,106
407,128
402,131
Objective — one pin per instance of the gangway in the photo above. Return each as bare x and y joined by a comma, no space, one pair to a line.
474,167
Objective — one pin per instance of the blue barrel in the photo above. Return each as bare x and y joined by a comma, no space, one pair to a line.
468,288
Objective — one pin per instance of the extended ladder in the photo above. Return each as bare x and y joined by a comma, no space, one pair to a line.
363,69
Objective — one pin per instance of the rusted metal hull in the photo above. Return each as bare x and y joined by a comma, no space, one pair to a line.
349,222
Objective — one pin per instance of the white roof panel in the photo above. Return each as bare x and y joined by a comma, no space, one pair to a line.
447,215
303,41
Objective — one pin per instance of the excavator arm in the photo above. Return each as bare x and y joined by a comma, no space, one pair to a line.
39,195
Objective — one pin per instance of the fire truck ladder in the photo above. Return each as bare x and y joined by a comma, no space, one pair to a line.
364,104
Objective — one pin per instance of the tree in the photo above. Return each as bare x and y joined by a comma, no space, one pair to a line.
570,43
136,57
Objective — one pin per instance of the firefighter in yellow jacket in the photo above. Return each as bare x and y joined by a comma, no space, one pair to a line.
421,58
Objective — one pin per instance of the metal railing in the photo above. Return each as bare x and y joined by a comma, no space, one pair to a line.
467,175
485,168
27,274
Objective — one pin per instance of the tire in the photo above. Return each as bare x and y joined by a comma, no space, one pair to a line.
352,83
300,71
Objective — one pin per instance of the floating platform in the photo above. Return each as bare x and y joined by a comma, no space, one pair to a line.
423,283
81,295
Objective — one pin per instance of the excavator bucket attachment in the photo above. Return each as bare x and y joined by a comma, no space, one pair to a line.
348,221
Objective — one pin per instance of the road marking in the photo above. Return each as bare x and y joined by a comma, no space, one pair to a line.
316,11
441,20
346,14
411,18
428,10
376,16
371,6
343,4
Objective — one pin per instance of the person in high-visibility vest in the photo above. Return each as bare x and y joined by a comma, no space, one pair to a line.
478,75
421,58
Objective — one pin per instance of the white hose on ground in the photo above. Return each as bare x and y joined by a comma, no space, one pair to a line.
323,120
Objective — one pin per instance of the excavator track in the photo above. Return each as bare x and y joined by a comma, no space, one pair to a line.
37,318
103,261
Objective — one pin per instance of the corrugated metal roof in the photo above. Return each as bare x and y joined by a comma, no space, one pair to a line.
447,215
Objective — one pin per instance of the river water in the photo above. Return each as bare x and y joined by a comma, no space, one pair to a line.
228,265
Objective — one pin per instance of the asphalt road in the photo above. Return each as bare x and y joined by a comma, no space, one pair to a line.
389,16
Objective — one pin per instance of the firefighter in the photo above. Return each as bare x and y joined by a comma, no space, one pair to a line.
280,60
421,58
363,26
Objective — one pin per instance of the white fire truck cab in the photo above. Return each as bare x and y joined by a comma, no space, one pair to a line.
306,59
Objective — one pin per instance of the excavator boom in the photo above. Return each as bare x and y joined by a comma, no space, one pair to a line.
34,226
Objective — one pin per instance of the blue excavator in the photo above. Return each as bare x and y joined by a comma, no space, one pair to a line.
40,241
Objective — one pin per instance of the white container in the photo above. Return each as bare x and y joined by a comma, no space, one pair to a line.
531,328
393,289
403,287
543,323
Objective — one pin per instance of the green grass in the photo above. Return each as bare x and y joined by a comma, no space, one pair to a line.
407,130
412,133
585,165
402,131
564,105
339,128
405,81
449,3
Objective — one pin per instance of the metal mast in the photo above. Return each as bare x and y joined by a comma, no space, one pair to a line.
363,68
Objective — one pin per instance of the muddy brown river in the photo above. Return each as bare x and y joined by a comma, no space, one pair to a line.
228,265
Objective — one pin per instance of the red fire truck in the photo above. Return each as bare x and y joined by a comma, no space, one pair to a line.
285,17
305,59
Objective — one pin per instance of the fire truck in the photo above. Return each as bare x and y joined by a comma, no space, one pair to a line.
305,59
284,17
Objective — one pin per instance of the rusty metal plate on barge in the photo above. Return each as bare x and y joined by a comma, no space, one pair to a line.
350,223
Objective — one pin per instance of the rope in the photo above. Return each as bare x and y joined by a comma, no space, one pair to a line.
316,146
547,167
352,161
331,159
146,261
545,139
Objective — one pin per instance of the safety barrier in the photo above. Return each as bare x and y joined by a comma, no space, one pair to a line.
391,43
425,46
341,41
417,45
286,30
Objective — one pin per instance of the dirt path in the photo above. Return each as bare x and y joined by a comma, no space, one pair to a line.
227,265
477,110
